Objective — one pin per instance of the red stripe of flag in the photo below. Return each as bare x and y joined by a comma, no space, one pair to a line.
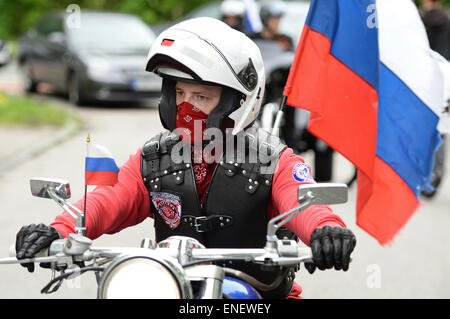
100,178
320,83
385,204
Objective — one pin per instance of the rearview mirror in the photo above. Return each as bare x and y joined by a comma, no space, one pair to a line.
40,186
307,195
323,193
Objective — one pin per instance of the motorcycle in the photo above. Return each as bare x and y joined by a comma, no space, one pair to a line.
176,268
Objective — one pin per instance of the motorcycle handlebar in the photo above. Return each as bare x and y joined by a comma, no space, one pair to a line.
41,256
303,254
41,253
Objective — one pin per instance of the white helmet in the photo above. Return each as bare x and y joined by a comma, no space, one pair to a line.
273,8
231,8
208,51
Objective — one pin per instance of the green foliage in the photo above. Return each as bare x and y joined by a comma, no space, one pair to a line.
15,110
16,16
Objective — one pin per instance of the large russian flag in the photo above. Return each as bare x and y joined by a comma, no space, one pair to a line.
101,169
364,70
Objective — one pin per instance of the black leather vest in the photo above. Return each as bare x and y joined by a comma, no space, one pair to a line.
234,213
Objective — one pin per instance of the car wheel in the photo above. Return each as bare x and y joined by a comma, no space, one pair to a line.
74,93
29,84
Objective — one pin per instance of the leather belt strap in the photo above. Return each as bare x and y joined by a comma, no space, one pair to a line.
203,224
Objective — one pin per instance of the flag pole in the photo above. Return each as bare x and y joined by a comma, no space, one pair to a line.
280,113
83,218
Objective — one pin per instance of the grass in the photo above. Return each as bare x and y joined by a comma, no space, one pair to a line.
16,110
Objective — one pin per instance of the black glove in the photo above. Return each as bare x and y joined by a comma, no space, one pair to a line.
33,238
331,247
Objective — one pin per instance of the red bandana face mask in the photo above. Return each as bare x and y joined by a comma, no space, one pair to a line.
191,122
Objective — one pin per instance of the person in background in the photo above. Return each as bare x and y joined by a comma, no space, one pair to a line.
233,13
437,25
271,13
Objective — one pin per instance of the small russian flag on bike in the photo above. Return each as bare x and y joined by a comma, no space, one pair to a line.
101,169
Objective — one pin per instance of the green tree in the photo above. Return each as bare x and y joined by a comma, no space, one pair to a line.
16,16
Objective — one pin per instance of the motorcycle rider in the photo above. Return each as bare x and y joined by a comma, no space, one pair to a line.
271,13
437,24
213,83
232,13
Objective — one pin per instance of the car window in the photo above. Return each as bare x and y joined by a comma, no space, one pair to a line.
49,24
111,31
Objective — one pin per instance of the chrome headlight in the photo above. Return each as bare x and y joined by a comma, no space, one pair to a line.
143,277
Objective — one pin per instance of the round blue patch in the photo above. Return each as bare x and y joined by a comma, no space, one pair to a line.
302,173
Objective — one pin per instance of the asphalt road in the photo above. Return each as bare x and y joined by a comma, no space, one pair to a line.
414,265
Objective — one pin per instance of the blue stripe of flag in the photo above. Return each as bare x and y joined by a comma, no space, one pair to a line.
354,38
101,164
407,136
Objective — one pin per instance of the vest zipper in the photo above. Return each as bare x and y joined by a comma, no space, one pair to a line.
199,204
210,182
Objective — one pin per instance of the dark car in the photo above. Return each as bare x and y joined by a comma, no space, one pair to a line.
102,57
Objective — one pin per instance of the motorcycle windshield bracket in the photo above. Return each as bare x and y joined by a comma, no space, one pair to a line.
273,226
309,194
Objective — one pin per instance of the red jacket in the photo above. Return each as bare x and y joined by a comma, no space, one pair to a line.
113,208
